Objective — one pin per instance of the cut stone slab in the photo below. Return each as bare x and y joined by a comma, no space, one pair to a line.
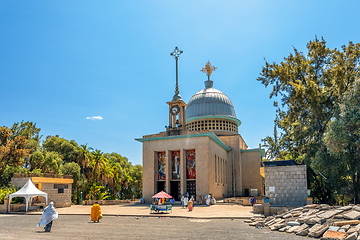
317,230
354,229
311,206
288,215
253,224
329,214
284,229
356,208
304,219
292,229
346,208
333,235
352,236
315,220
324,206
277,226
344,228
334,228
303,232
260,224
271,222
248,221
299,209
302,229
293,224
353,215
296,214
342,223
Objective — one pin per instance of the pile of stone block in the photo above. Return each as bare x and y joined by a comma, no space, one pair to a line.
317,221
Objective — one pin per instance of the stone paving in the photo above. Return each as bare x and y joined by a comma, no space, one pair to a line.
219,211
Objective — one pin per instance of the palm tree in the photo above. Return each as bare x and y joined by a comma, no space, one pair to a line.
85,152
98,162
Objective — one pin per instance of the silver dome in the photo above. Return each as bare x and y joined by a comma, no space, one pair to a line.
209,102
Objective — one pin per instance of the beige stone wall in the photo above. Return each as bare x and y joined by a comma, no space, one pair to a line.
246,166
243,166
234,142
251,171
218,188
59,199
205,149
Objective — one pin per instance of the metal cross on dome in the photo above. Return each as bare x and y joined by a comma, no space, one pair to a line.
208,69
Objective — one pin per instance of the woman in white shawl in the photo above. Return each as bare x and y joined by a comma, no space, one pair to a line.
48,216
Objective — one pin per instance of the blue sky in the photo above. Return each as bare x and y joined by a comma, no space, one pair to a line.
63,62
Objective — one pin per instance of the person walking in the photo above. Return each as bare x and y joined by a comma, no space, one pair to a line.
95,213
48,216
186,201
190,205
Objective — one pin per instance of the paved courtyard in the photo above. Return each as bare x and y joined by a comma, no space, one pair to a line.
215,211
20,226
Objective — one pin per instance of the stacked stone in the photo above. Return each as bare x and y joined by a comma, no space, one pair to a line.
315,221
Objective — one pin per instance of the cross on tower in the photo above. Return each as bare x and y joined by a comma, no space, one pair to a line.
176,53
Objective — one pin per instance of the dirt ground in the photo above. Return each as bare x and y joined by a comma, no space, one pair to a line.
19,226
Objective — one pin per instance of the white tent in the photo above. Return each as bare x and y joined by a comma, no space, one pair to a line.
27,191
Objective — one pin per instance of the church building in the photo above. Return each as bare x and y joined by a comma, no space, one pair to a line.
201,152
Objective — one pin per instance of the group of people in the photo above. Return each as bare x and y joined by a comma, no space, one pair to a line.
187,203
50,214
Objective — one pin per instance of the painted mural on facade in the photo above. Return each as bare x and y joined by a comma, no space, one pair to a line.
190,164
161,166
175,156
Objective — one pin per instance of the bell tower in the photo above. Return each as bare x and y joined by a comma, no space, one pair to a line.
176,105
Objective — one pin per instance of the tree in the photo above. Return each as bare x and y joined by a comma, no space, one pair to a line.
73,169
26,129
343,141
96,192
52,163
310,88
36,159
98,162
12,150
84,156
67,149
137,176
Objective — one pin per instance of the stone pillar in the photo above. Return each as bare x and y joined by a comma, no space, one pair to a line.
6,204
267,209
182,172
168,171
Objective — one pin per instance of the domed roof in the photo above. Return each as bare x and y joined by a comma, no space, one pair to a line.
209,102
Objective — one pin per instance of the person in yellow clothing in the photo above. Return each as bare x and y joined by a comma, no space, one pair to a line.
95,212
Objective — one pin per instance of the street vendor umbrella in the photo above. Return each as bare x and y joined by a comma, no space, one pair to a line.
162,194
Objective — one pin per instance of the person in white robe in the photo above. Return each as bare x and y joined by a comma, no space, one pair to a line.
48,216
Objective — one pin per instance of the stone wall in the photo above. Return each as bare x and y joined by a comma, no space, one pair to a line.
286,185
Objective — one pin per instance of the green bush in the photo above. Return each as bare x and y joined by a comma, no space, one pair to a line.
4,191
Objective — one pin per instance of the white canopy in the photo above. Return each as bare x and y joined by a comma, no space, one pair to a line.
27,191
